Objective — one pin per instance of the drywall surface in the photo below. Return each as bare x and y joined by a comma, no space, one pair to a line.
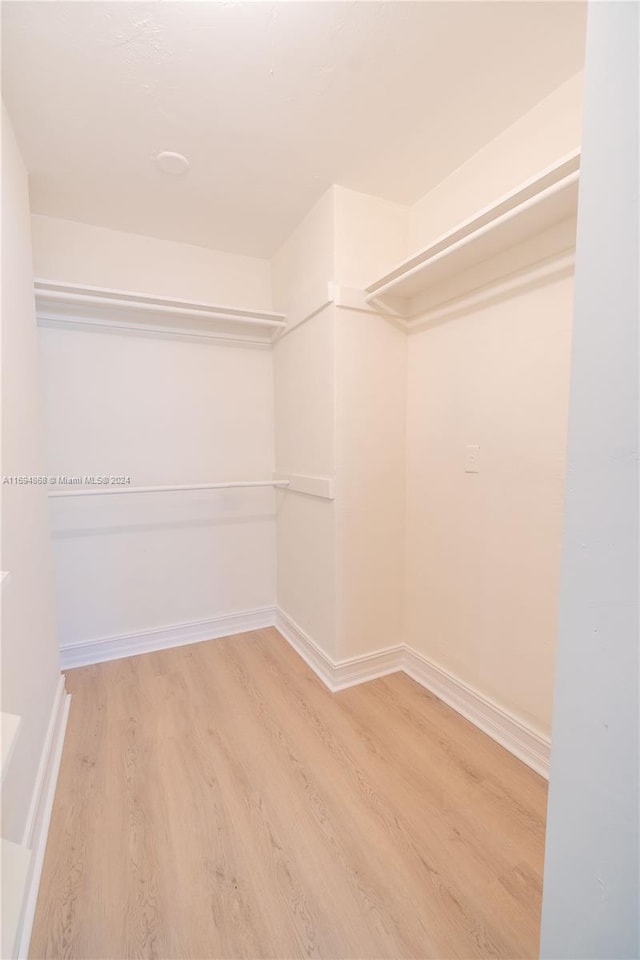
340,400
304,265
29,650
591,888
304,372
543,135
370,234
81,253
483,548
371,376
159,411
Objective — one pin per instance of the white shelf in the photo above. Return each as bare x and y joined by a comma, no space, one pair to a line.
529,225
71,305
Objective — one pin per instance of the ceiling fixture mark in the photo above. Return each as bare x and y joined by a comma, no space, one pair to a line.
173,163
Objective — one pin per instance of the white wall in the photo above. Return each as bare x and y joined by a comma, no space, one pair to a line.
464,568
370,235
340,401
81,253
305,444
160,410
371,377
543,135
304,380
29,651
483,549
304,264
591,888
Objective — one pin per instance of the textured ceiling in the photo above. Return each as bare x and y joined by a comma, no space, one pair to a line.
271,102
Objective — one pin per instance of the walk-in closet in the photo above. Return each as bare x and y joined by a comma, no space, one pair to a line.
301,327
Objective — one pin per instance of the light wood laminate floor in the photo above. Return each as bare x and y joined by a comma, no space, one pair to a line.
215,800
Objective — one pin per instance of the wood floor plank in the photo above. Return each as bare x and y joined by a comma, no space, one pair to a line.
217,801
454,903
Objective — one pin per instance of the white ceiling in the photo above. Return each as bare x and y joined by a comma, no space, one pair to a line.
271,102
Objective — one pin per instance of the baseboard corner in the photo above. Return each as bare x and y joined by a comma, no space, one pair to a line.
305,647
339,674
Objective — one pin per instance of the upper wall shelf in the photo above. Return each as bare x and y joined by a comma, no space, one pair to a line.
533,223
69,304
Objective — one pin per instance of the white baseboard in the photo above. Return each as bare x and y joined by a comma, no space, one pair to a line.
338,674
313,656
176,635
507,730
36,829
523,742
